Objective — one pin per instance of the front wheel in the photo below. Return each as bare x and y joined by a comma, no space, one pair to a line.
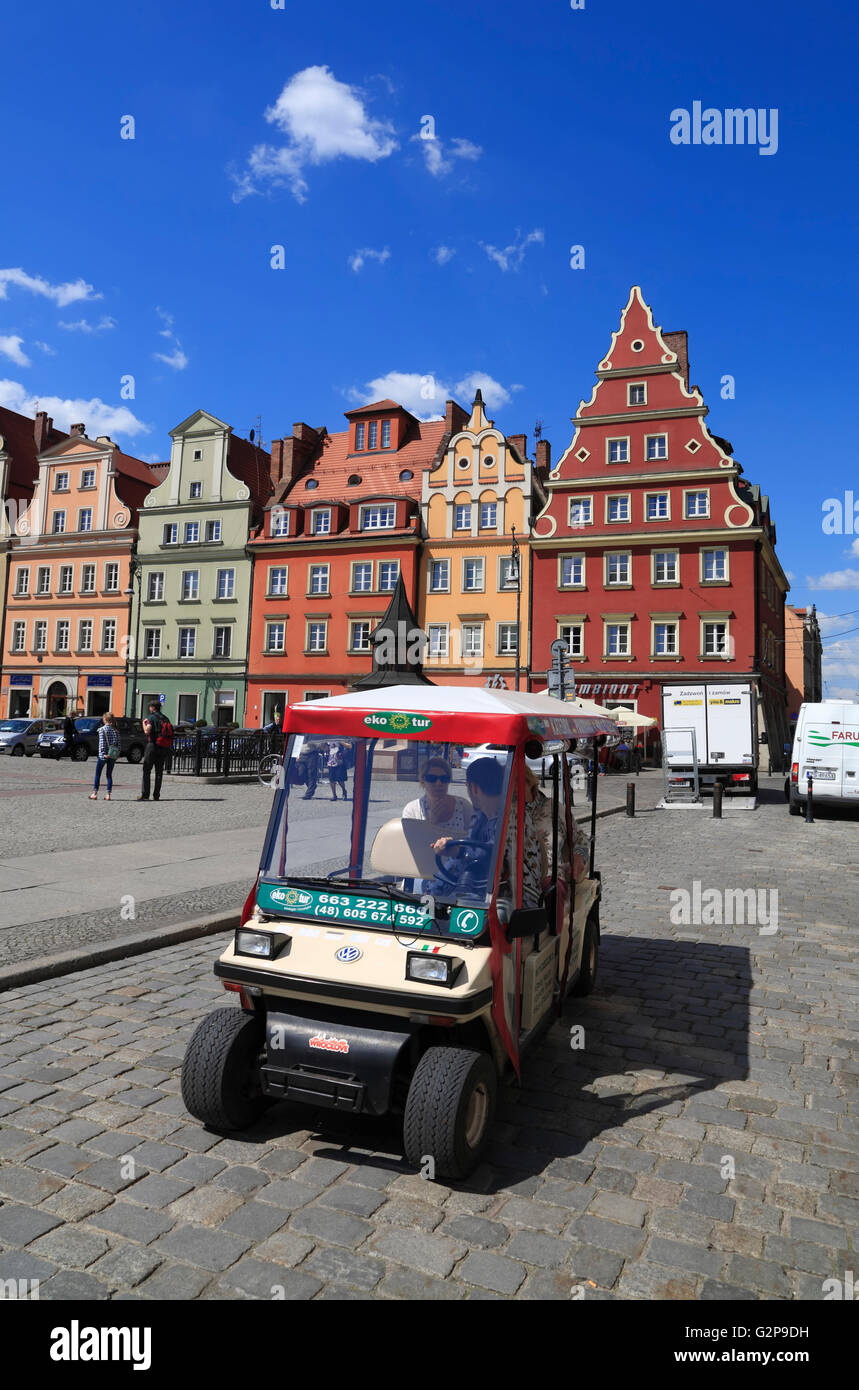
135,753
220,1080
587,976
80,753
449,1109
18,750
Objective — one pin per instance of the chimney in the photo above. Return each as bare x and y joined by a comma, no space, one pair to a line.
679,342
455,418
42,426
77,430
105,439
520,444
544,458
289,455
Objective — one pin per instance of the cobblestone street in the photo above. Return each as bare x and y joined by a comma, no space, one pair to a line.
710,1050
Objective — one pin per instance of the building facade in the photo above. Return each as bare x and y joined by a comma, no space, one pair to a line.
654,558
67,624
803,659
192,575
21,441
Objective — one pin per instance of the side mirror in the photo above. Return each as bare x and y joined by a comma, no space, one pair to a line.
527,921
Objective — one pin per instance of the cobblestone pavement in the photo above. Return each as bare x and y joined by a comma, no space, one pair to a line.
709,1050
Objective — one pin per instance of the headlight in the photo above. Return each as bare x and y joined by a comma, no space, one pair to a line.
432,970
258,943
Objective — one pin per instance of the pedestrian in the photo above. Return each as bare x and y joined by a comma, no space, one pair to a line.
69,733
309,759
108,752
159,734
336,763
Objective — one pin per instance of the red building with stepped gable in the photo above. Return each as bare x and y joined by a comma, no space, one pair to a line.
654,558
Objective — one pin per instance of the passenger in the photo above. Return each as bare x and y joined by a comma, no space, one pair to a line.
435,804
485,781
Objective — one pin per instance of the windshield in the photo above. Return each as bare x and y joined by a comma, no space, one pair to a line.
387,833
14,726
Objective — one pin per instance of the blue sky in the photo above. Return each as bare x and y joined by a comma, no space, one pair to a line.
407,259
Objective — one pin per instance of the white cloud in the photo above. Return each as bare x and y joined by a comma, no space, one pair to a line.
854,549
45,348
177,358
104,324
97,415
10,346
442,254
62,295
835,579
323,120
357,259
512,256
437,161
424,395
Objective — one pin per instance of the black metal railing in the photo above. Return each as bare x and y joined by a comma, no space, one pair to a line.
228,753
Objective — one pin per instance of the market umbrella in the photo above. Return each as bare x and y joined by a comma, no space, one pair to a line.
630,718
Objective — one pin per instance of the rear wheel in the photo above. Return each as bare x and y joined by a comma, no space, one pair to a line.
795,807
449,1109
587,977
80,753
135,753
220,1079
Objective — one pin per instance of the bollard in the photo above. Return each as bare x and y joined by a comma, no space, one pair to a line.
809,803
630,798
718,790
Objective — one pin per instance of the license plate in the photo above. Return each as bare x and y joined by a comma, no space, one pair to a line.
821,774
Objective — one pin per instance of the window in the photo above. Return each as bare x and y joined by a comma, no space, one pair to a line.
280,523
489,516
617,639
581,512
151,642
472,576
354,480
472,639
618,450
508,576
378,518
440,576
715,638
88,477
226,586
222,642
574,636
697,503
373,434
314,483
572,572
213,531
462,517
507,643
617,508
389,573
198,454
386,434
88,579
438,640
19,637
665,567
85,635
58,523
171,534
320,523
714,566
187,641
317,637
359,637
85,519
655,446
190,585
362,578
108,635
43,580
67,576
155,586
359,436
40,636
62,636
618,567
192,532
22,582
636,393
656,506
406,475
665,639
317,579
275,637
277,579
196,490
111,578
61,482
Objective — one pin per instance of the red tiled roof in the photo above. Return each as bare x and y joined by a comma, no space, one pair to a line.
253,466
379,472
133,468
159,471
376,405
18,432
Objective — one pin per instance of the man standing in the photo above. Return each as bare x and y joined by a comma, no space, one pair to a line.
69,733
158,734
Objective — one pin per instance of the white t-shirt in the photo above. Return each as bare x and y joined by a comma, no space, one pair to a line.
456,826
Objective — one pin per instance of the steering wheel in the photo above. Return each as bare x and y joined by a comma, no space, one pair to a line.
477,857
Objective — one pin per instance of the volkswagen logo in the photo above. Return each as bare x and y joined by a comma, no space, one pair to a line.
347,954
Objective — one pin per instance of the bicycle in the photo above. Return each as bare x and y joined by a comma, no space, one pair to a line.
269,770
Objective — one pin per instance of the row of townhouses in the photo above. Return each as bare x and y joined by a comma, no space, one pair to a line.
230,581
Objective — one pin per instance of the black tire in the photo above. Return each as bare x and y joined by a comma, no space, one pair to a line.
787,789
135,753
80,753
449,1109
18,750
796,807
219,1081
587,976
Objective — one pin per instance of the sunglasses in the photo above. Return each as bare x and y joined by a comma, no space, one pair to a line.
435,777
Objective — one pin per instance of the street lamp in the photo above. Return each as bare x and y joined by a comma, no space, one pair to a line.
515,576
135,576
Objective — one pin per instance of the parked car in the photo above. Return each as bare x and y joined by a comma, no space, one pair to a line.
132,739
21,736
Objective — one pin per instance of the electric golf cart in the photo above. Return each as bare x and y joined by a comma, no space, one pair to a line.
390,961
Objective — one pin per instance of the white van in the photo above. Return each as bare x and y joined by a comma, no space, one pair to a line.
826,748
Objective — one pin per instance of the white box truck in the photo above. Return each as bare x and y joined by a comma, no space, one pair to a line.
826,748
724,718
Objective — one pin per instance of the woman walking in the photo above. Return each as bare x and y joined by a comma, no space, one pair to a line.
108,752
336,764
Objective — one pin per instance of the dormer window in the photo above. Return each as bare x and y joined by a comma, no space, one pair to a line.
280,524
406,475
311,484
360,431
320,523
373,435
386,434
354,480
